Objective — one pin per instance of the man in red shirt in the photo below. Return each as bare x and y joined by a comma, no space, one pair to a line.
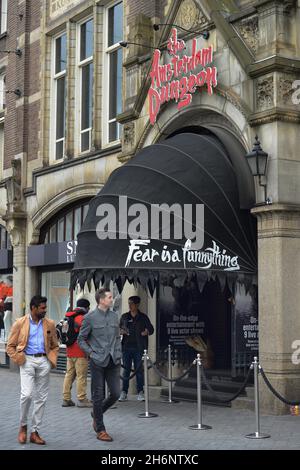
77,362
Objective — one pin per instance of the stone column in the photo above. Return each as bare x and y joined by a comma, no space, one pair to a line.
16,227
279,301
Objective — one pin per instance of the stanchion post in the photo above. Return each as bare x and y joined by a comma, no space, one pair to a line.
170,399
199,426
147,414
256,435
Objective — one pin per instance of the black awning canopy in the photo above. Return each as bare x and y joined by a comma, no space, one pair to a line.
186,169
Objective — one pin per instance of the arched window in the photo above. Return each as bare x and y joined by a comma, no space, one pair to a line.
65,225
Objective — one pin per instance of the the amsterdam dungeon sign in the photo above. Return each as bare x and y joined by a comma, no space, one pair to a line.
179,79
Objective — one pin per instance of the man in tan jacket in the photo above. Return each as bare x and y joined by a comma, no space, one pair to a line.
32,344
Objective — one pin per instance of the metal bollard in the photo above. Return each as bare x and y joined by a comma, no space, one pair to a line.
256,435
170,399
199,426
147,414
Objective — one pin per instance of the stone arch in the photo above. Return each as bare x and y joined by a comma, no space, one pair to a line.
54,205
225,116
224,107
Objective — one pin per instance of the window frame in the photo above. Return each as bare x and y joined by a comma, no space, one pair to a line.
2,91
107,51
3,16
80,64
55,77
53,225
2,124
4,236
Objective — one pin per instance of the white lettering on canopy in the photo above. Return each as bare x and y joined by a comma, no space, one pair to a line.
212,257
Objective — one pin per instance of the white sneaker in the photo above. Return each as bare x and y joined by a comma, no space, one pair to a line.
123,396
140,396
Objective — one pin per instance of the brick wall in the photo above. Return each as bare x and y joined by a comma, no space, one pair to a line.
23,72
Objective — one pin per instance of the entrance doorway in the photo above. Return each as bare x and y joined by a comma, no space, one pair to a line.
196,321
217,304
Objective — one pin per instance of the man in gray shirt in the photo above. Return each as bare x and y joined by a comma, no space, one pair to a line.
99,338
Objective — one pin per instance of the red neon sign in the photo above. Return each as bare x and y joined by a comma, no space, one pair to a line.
175,80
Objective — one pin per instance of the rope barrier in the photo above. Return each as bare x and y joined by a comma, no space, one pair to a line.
280,397
166,378
227,400
134,372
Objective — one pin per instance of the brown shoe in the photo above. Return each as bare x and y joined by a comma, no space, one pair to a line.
22,436
103,436
35,438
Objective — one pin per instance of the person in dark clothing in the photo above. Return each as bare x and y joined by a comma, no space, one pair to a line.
135,327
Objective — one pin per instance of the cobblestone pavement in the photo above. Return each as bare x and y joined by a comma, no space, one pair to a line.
169,431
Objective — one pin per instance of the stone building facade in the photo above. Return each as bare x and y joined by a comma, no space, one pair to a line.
50,164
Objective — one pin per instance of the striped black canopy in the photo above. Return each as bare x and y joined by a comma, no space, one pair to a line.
185,169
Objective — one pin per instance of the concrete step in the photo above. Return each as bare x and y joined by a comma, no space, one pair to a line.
190,394
217,385
244,403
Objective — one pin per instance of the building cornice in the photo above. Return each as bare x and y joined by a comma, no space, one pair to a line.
274,114
273,64
68,164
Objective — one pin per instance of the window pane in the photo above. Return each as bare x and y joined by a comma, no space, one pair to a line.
46,238
53,234
115,131
86,96
9,247
55,286
69,225
61,53
115,24
60,108
60,232
85,211
2,91
59,150
115,85
1,146
77,221
85,141
2,238
3,19
86,39
112,131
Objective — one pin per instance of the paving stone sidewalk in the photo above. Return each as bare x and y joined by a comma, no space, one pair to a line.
169,431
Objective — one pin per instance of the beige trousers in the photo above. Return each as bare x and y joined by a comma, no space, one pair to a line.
34,376
77,367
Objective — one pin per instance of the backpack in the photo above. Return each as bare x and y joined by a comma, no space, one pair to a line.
65,330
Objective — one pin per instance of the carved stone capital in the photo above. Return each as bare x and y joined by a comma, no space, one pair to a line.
286,90
16,227
264,93
128,135
248,30
277,220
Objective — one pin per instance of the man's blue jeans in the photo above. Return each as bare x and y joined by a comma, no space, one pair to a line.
134,356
